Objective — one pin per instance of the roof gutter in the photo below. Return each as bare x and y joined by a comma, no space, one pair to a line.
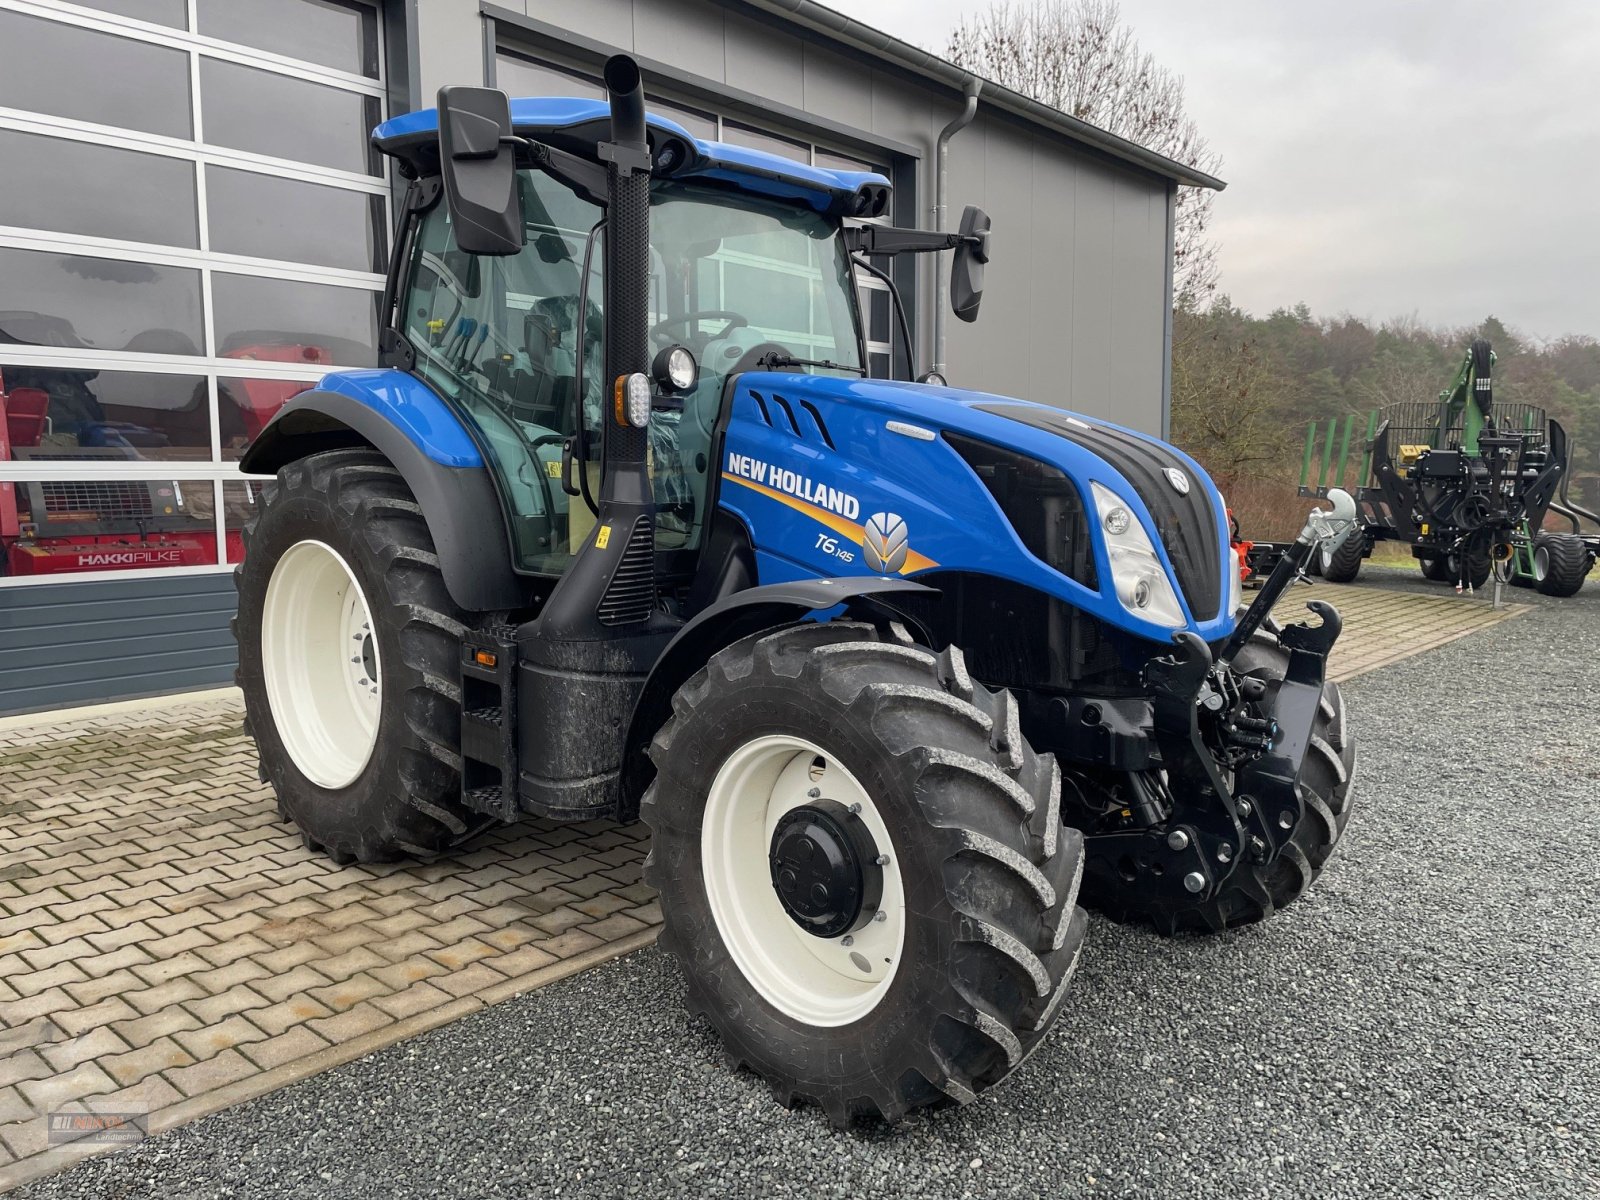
844,29
941,207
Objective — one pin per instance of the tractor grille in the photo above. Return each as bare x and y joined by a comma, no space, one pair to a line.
1187,523
631,595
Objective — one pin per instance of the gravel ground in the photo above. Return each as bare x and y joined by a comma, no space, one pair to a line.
1425,1023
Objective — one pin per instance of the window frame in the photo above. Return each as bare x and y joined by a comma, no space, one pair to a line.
200,155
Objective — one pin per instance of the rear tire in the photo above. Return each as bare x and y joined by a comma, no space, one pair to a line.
988,931
1560,562
1342,563
404,795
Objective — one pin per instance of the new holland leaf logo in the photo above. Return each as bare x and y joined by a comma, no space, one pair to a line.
885,543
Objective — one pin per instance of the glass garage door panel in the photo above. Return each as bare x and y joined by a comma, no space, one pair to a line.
62,414
73,525
342,36
267,318
244,406
266,216
158,12
75,301
67,71
276,115
45,188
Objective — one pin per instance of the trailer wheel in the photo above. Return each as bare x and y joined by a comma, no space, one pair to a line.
1477,571
1255,892
1342,563
862,869
347,659
1436,568
1560,562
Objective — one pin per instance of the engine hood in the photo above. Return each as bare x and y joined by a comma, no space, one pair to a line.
1171,495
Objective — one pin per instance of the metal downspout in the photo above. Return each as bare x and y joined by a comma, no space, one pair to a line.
940,203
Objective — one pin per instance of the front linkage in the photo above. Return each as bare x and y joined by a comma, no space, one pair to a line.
1233,741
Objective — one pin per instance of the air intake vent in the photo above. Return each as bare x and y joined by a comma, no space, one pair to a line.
631,595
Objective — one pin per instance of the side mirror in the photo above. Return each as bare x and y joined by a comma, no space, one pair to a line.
479,169
966,267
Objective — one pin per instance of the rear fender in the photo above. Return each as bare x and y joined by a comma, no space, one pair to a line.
458,498
739,616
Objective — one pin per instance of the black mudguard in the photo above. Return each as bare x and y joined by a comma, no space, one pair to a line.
460,504
727,621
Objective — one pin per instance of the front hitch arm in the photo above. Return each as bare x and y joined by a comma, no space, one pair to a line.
1213,826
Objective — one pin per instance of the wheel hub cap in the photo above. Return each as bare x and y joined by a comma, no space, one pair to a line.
825,869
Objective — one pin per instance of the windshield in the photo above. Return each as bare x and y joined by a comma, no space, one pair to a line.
736,278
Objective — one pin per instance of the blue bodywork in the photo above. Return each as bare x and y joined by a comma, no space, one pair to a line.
805,521
412,407
953,522
751,170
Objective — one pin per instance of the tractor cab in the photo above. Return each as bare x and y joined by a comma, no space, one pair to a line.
750,267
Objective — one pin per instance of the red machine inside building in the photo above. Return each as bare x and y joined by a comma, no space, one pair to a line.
65,524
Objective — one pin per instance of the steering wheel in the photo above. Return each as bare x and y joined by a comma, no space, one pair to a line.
734,321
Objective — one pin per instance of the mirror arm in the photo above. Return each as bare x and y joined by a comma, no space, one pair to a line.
888,239
586,178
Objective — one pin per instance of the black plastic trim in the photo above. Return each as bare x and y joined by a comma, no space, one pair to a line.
460,504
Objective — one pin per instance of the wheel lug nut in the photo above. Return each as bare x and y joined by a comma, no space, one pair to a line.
1224,852
1178,840
814,793
880,915
1194,881
1244,806
882,860
847,940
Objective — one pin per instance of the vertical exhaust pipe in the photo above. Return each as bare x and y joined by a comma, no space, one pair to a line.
610,588
627,283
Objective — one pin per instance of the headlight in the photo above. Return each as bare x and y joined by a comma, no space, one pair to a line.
1137,575
1235,584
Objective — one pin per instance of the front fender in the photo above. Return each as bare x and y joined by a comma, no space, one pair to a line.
459,502
727,621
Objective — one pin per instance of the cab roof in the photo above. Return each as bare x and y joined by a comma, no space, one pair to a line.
577,125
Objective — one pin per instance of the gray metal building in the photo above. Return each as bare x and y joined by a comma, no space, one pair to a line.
193,227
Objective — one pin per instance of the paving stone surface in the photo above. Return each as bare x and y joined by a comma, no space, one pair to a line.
166,939
169,947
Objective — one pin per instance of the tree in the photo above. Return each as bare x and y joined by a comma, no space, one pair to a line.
1079,57
1226,395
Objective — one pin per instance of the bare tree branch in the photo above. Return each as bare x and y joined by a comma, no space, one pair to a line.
1079,56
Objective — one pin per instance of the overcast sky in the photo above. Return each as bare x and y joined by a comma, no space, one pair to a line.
1384,157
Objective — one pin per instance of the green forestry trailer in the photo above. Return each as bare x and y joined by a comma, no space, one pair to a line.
622,529
1466,482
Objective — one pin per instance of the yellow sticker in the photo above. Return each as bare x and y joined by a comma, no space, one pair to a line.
602,537
553,468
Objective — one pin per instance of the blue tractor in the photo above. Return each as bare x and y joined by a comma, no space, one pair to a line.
621,529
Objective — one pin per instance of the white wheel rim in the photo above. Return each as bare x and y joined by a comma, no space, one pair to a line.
321,664
820,981
1541,563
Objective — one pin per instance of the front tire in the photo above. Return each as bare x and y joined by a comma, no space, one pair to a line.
347,660
978,891
1560,562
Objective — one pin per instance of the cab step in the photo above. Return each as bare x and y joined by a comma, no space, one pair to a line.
489,721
